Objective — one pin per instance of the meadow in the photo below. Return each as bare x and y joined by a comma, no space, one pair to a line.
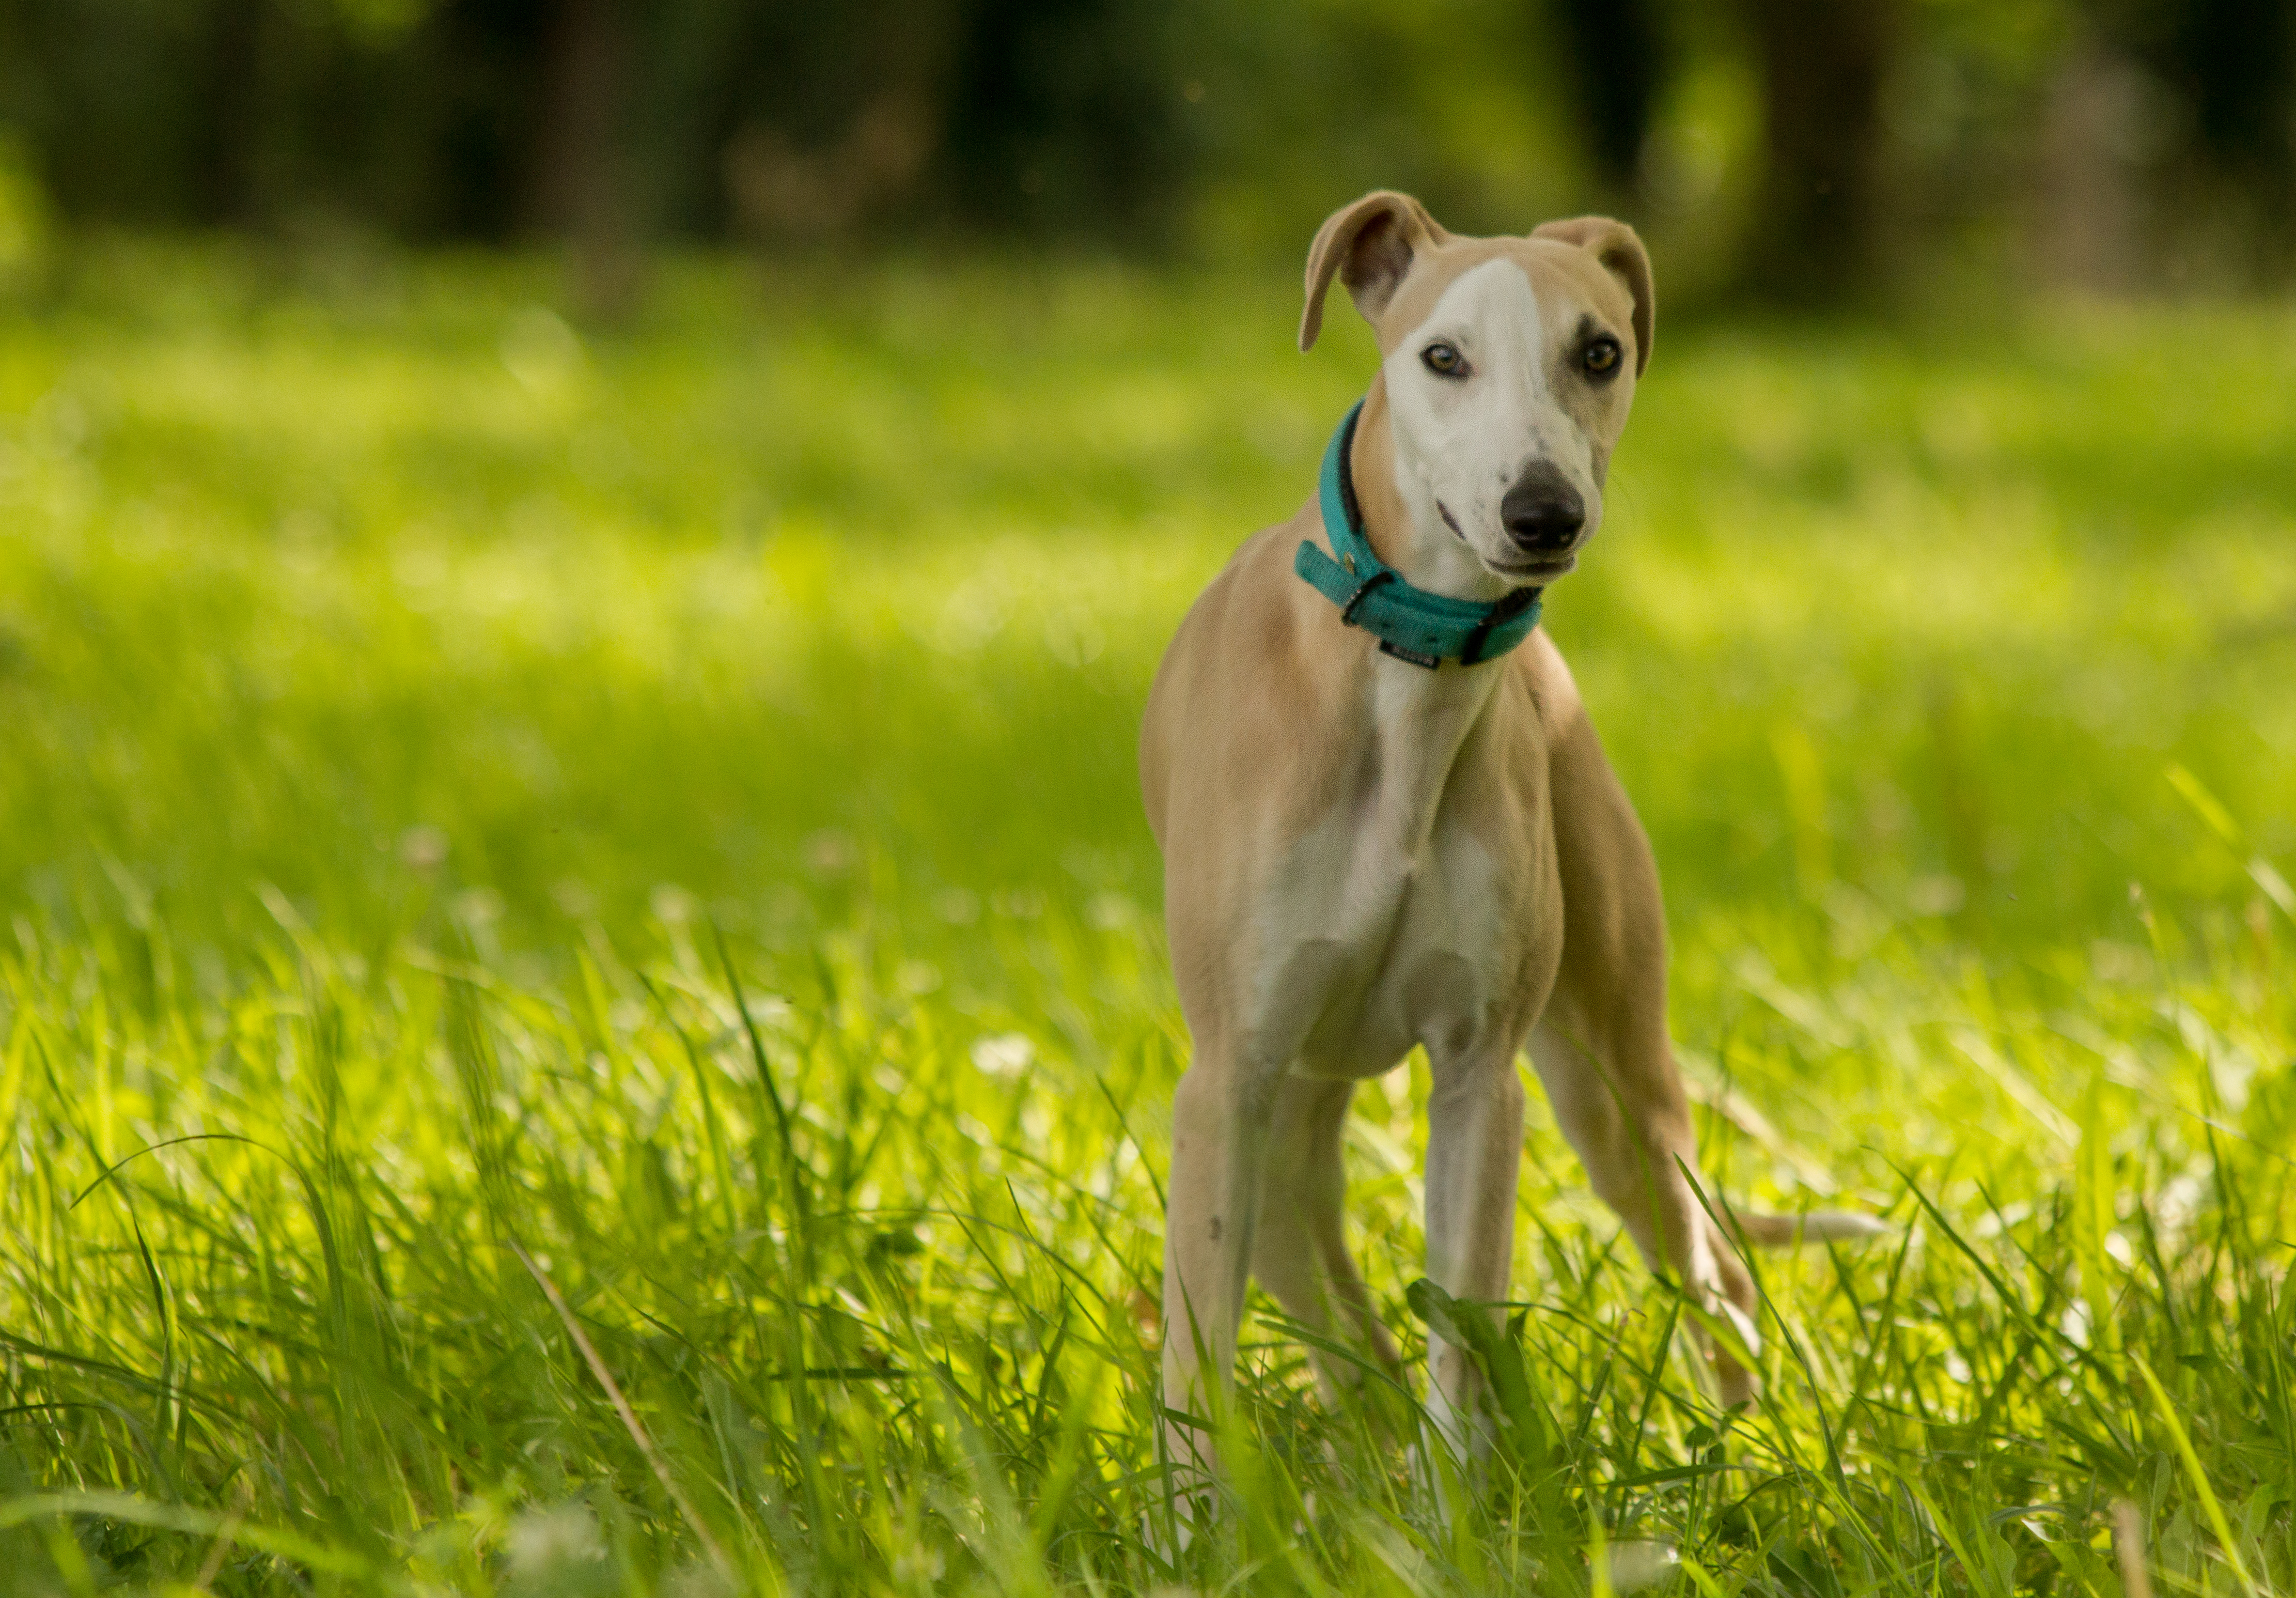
582,1005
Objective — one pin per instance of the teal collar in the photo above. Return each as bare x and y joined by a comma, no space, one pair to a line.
1410,623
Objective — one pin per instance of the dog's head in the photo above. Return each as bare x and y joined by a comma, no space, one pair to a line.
1509,364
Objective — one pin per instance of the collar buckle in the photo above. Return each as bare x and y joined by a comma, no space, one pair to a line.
1471,652
1363,591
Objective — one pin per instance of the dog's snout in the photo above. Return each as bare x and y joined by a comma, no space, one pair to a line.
1543,513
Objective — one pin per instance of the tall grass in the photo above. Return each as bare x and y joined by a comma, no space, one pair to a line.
582,1009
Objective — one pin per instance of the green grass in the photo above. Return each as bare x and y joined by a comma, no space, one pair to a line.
400,694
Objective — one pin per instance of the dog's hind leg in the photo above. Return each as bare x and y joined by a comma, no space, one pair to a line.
1635,1147
1601,1048
1300,1248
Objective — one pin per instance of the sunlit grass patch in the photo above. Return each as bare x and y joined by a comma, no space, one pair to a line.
400,693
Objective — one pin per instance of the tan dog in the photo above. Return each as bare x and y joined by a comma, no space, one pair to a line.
1361,854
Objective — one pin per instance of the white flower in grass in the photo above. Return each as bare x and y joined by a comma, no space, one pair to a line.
540,351
541,1544
2074,1323
423,847
1642,1563
481,906
1111,913
829,852
1003,1054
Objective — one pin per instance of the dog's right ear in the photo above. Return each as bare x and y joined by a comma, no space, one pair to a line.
1371,245
1620,249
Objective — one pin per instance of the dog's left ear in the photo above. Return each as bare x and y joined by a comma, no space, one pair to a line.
1621,250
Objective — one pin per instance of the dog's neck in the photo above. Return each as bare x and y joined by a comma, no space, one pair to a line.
1417,721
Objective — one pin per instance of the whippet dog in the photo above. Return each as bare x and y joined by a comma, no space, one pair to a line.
1386,821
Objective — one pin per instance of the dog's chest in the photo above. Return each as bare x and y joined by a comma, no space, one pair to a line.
1412,913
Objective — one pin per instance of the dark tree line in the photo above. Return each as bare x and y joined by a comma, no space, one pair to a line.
614,122
491,118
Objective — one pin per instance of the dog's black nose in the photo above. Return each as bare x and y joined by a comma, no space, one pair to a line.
1543,513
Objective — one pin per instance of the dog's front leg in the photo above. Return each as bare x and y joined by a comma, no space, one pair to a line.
1474,1147
1219,1134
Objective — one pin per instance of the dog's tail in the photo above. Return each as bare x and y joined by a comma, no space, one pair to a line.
1813,1226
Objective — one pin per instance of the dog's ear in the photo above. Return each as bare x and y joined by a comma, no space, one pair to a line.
1621,250
1371,245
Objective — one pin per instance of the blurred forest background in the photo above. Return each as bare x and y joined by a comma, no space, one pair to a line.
1795,151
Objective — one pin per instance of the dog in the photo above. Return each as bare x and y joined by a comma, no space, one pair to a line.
1386,820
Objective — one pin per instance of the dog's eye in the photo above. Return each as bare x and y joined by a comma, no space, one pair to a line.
1444,360
1602,357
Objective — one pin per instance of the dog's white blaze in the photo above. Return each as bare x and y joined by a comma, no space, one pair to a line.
1460,445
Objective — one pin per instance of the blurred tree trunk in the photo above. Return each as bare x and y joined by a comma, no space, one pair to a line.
228,127
2089,194
1618,63
1822,64
2226,175
582,187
